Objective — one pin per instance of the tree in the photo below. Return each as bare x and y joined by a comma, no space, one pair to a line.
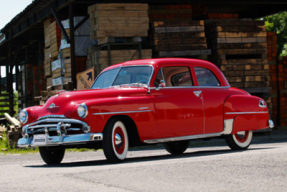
278,23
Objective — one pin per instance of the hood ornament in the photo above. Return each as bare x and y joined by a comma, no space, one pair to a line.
52,106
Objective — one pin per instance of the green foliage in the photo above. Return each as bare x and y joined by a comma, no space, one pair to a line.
278,23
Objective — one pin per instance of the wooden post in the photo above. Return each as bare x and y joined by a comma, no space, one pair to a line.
10,81
72,42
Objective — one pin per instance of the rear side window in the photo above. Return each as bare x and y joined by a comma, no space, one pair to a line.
205,77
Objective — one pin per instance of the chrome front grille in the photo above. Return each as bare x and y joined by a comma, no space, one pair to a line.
56,126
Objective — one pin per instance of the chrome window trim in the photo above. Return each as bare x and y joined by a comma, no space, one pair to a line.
149,65
248,112
122,112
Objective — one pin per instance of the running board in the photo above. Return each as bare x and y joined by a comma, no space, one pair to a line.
163,140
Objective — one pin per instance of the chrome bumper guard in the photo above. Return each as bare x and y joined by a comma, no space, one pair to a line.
271,124
61,126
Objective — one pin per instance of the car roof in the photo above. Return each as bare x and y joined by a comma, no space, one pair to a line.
158,62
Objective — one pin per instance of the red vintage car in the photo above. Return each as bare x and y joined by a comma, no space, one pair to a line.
143,102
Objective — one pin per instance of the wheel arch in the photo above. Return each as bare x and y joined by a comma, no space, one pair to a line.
133,135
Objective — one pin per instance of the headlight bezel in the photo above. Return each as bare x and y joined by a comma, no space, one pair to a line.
26,114
86,112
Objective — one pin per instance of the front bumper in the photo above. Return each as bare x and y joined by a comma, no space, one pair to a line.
62,127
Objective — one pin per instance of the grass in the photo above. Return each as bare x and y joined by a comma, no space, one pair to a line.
5,149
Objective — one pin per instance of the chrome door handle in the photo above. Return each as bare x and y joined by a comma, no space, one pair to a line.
197,93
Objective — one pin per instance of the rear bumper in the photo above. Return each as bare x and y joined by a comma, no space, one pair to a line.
36,134
61,140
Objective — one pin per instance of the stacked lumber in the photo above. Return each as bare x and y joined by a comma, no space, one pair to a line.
47,62
39,81
170,13
100,58
55,39
51,91
118,20
240,50
47,32
185,38
222,16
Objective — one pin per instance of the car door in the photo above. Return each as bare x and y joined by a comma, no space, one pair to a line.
214,95
178,104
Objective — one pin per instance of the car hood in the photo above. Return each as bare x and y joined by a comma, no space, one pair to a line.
66,103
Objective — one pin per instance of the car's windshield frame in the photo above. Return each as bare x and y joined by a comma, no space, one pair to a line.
120,67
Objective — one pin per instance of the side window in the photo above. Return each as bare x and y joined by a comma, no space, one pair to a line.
173,76
205,77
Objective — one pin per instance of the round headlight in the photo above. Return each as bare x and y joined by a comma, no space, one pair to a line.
82,110
23,116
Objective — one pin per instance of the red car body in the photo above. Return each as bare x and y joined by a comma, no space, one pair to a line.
160,114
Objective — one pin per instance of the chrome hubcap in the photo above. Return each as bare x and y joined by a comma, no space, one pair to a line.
118,139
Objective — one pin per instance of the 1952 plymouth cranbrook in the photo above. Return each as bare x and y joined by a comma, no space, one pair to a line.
169,101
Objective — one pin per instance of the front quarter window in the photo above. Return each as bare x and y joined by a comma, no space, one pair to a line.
106,79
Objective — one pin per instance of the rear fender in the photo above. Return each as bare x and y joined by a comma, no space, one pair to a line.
246,113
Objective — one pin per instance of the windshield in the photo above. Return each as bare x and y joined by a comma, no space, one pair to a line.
124,76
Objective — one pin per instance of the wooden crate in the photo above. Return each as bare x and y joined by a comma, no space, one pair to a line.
118,20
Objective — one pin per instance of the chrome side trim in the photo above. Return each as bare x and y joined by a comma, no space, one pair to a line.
237,113
228,126
122,112
163,140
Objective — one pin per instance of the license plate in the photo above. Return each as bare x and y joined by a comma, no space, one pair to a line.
40,139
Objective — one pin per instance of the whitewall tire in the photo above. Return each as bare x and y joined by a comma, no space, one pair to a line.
240,140
116,141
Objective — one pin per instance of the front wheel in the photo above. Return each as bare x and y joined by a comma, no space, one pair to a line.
116,141
177,147
52,155
239,141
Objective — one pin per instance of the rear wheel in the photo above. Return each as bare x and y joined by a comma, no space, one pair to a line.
52,155
116,141
177,147
239,141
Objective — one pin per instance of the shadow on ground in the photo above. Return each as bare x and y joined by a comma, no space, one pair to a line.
146,159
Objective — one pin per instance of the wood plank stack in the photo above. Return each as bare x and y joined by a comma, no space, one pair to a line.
240,50
100,59
39,80
185,38
55,39
118,20
170,13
